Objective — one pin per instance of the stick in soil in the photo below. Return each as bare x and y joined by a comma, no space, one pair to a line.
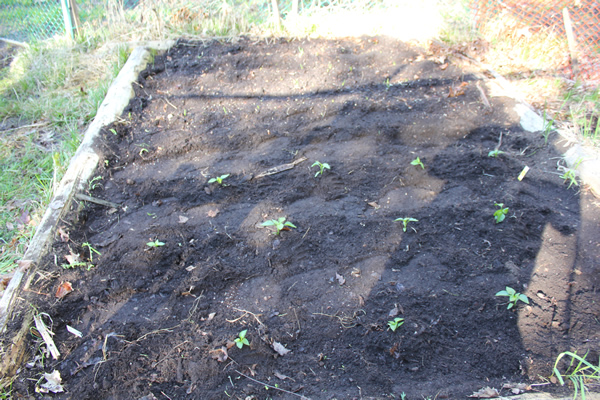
272,387
43,330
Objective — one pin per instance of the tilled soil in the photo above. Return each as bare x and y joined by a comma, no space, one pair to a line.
316,299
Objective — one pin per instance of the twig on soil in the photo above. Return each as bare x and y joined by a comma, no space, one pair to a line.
499,142
273,387
280,168
97,201
346,321
245,313
43,330
156,331
297,320
483,96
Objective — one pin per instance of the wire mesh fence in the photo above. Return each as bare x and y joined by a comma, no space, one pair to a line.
581,18
29,20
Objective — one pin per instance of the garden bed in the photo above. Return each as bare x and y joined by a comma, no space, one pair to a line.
166,277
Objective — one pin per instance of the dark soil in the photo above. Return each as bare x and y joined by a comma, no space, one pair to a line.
155,319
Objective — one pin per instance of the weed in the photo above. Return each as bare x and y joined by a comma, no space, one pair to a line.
94,183
91,250
279,224
500,213
495,153
513,297
219,179
395,323
322,167
570,174
156,243
387,84
241,340
580,373
417,161
405,222
548,127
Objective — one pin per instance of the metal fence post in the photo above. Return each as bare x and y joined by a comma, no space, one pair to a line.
70,17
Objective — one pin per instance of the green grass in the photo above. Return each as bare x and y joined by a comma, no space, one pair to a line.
579,371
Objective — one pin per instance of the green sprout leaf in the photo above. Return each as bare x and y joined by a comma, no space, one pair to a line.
156,243
417,162
219,179
495,153
500,213
513,297
241,340
405,222
395,323
322,167
280,224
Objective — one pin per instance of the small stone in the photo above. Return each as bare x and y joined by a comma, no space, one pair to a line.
130,181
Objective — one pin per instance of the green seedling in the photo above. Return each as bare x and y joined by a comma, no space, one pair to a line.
241,340
500,213
322,167
580,372
280,224
94,183
219,179
417,162
156,243
91,250
513,297
495,153
570,176
405,222
395,323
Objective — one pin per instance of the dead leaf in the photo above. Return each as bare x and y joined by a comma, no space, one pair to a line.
444,66
73,258
219,354
394,351
211,316
252,369
74,331
340,279
64,236
355,272
212,213
52,384
64,289
374,205
280,349
457,91
281,376
24,264
486,393
183,219
394,312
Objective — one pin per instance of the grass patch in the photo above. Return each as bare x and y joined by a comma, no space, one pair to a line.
579,371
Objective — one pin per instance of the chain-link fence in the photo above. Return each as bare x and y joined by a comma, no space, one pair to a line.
579,18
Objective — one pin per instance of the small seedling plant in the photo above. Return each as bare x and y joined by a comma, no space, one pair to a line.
417,162
219,179
156,243
500,213
91,250
322,167
280,224
395,323
241,340
513,297
405,222
495,153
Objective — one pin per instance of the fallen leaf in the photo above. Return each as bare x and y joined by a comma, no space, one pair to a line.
24,264
394,351
374,205
486,393
183,219
74,331
52,384
394,312
212,213
340,279
252,369
219,354
444,66
64,289
281,376
73,258
211,316
190,268
64,236
458,91
280,349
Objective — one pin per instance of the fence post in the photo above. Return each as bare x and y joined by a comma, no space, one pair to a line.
571,40
70,17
